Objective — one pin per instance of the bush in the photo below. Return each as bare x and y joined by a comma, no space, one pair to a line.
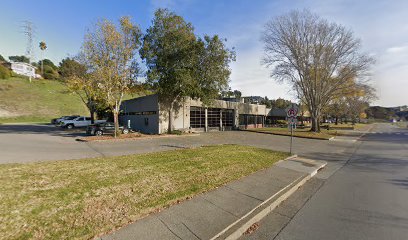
50,73
176,132
4,72
283,122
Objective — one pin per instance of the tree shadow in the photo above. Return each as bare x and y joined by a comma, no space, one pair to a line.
399,182
49,130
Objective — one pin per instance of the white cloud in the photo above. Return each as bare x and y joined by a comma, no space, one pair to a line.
397,49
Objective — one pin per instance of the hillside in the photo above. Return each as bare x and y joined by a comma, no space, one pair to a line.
39,101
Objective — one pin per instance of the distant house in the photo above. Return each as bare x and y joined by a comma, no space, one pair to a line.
276,114
253,99
24,69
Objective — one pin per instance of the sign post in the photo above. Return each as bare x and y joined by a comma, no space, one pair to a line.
292,120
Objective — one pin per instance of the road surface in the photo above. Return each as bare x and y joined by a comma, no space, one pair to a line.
31,143
366,198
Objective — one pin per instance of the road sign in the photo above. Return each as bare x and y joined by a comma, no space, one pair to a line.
292,112
292,121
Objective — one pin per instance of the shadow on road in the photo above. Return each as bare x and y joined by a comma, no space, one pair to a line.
400,182
50,130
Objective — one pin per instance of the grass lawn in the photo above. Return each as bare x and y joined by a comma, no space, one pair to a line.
402,124
80,199
38,101
324,134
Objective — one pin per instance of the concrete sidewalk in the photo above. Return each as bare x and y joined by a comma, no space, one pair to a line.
226,212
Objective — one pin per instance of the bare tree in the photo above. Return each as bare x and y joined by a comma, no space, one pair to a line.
315,56
110,52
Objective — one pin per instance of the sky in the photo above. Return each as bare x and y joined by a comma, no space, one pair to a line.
381,25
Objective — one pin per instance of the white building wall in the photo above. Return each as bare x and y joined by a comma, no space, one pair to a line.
24,69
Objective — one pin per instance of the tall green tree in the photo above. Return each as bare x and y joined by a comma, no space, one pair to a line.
69,67
43,47
212,69
47,62
181,65
280,103
110,52
21,58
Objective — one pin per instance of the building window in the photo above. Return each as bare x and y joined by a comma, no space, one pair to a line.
197,117
248,119
213,115
259,119
242,119
228,118
140,113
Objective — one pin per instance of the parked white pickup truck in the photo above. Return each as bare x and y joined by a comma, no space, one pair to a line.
79,122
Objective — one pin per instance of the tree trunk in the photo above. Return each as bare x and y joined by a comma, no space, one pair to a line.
315,127
116,122
169,129
337,120
92,112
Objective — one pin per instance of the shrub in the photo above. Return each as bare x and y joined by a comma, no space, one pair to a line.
176,132
281,122
50,73
4,72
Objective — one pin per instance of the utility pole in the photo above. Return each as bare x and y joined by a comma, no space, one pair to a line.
29,32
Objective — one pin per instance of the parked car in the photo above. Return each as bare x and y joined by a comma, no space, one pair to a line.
58,120
79,122
102,128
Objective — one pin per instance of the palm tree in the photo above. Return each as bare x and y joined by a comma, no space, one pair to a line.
43,46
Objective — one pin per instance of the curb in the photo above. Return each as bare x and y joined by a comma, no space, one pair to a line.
288,158
278,134
344,140
239,227
135,138
368,131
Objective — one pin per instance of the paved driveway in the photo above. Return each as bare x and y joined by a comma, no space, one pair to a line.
30,143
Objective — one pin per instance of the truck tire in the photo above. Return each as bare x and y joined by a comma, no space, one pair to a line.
125,131
98,133
70,126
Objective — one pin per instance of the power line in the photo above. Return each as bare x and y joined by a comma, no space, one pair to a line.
29,31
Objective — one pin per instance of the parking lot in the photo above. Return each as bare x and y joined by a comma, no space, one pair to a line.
31,143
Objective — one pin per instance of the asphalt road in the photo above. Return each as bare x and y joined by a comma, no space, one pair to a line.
32,143
365,198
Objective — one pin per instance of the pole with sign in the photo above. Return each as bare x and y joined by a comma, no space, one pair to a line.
292,120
